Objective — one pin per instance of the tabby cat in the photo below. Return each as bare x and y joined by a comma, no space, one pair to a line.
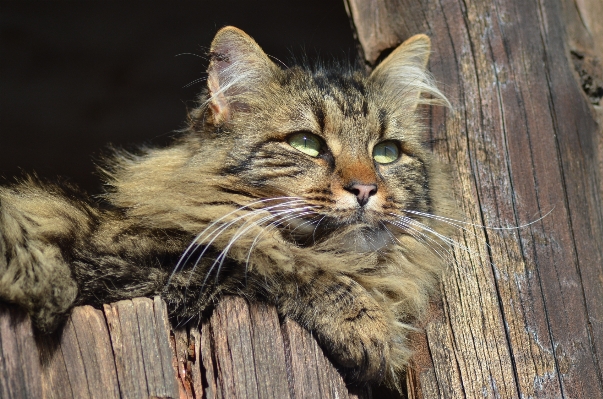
311,188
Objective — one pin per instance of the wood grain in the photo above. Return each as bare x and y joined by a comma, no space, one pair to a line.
521,308
129,350
19,365
90,370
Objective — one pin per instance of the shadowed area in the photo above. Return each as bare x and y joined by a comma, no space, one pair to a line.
76,77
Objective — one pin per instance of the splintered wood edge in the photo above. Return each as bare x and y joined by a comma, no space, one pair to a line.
128,350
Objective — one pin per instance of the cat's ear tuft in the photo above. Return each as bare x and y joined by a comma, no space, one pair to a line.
238,68
405,73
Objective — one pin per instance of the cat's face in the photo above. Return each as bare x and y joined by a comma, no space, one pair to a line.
347,145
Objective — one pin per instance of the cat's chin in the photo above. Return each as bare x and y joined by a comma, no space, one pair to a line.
365,239
350,235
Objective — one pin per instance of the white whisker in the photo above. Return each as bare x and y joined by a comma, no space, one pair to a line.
185,257
240,232
456,222
222,228
218,230
445,239
316,227
273,225
421,237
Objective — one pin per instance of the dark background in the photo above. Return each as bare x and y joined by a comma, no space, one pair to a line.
77,76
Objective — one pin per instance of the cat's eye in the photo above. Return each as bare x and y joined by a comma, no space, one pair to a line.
386,152
306,142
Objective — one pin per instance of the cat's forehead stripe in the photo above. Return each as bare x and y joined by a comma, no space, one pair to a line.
348,93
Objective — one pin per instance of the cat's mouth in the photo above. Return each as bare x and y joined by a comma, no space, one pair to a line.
358,216
350,238
359,229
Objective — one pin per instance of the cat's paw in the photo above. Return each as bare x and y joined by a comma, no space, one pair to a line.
353,328
360,340
39,281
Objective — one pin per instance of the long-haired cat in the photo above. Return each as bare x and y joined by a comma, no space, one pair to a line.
310,188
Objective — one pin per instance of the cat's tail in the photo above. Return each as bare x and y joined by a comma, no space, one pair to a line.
37,224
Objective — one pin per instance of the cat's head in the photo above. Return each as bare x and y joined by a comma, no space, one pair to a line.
350,146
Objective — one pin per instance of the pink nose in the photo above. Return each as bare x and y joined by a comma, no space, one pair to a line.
362,192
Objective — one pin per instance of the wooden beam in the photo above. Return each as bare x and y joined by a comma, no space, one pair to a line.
129,350
19,361
521,309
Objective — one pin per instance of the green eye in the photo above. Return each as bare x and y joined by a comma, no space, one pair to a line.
385,152
306,143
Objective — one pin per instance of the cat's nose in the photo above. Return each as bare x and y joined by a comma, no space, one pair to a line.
362,191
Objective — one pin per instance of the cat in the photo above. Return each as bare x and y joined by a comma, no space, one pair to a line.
311,188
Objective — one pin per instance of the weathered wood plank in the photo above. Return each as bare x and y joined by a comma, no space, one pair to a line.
55,378
269,351
197,372
232,338
156,352
311,373
19,365
129,351
90,367
141,346
521,309
125,338
164,334
76,373
207,363
182,359
244,351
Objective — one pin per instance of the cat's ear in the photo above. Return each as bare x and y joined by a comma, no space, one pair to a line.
404,73
238,69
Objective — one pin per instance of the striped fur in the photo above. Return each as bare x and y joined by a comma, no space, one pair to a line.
232,207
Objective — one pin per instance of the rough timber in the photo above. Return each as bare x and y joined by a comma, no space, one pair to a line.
520,318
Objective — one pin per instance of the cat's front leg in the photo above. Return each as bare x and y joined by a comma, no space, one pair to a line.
34,273
352,326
